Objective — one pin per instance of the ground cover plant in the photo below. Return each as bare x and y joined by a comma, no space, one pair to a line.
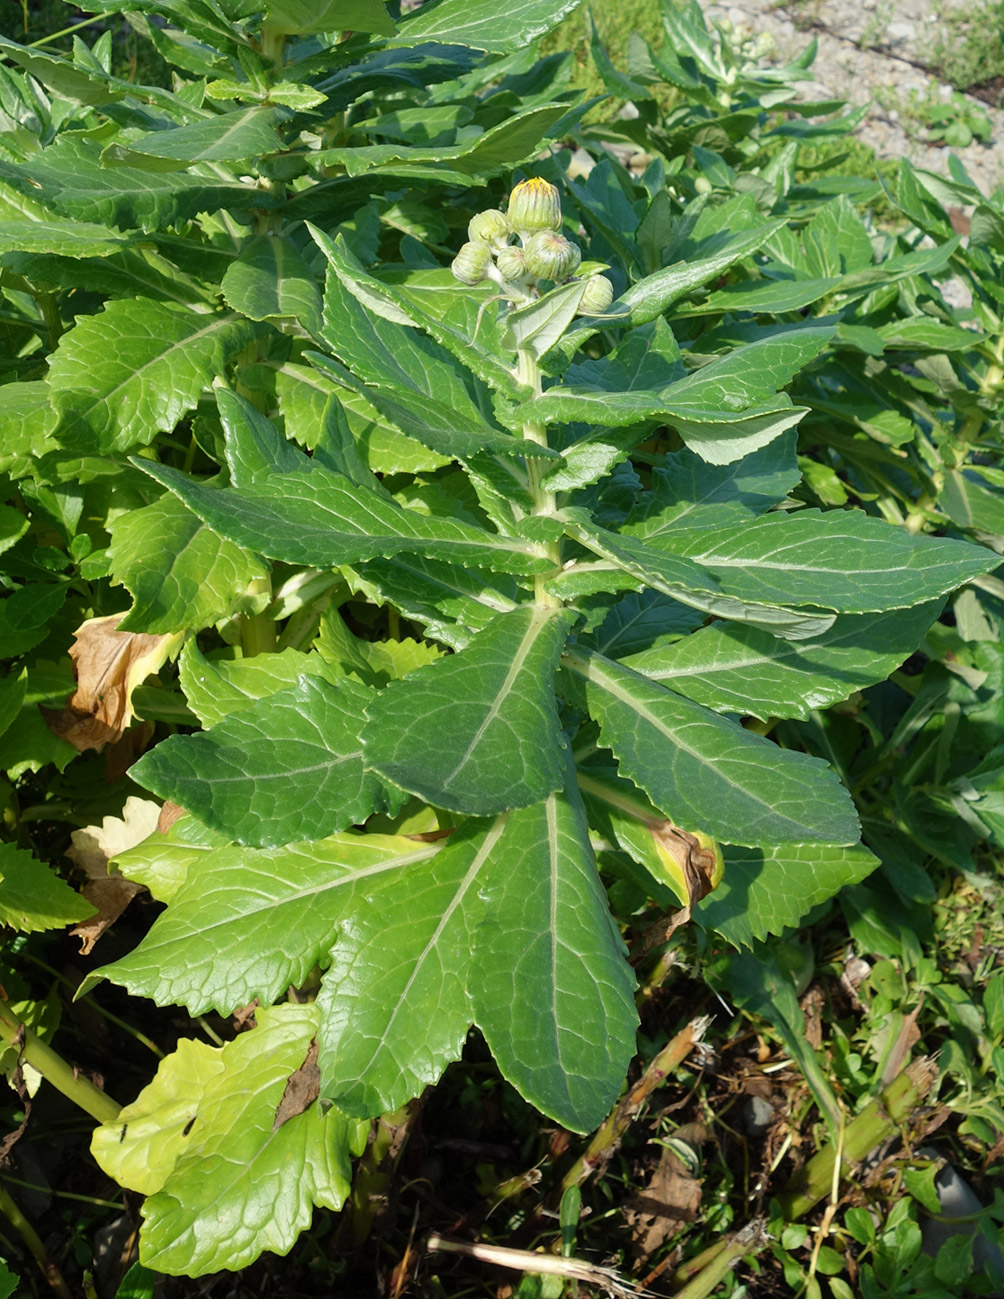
443,611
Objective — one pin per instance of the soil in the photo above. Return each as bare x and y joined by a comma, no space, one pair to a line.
878,52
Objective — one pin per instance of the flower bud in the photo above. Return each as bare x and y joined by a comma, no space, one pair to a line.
489,226
511,263
597,296
550,256
470,266
534,205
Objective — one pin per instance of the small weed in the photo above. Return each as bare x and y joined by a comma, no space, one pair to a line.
967,48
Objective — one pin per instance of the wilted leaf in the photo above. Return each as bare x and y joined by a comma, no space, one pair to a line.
92,850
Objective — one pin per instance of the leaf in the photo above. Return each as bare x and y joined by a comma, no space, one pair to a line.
162,861
68,238
767,890
687,583
25,615
234,902
324,520
394,1004
842,560
762,296
270,280
458,434
477,731
741,669
12,693
109,664
92,850
536,327
551,987
708,774
216,688
180,573
33,897
253,446
307,17
688,491
225,137
29,742
217,1206
641,622
288,767
480,23
133,370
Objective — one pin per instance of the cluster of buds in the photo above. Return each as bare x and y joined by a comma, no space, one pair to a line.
533,219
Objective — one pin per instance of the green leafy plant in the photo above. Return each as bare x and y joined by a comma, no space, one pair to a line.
959,122
450,589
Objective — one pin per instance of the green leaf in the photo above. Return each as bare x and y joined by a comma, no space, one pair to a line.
477,731
13,526
766,296
323,520
842,560
308,17
536,327
482,24
288,767
237,901
706,773
12,693
29,743
161,862
767,890
133,370
68,238
180,573
687,491
737,669
552,990
642,622
236,1157
453,432
253,446
215,687
374,663
225,137
687,582
25,615
399,974
269,279
29,421
33,897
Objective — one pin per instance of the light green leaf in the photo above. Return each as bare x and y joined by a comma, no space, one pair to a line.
13,526
161,862
29,421
12,692
269,279
921,333
842,560
132,371
708,774
29,743
767,890
323,520
225,137
767,296
180,573
68,238
551,986
309,17
477,731
288,767
737,669
225,938
253,446
536,327
374,663
483,25
394,1005
244,1178
215,688
32,897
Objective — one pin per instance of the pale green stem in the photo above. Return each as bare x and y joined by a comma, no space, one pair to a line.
55,1070
528,374
258,630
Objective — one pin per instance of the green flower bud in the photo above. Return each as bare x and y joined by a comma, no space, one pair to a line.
550,256
511,263
489,226
534,205
597,296
470,266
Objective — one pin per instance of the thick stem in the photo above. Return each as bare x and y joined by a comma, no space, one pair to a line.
258,630
610,1132
55,1070
528,374
717,1262
873,1125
